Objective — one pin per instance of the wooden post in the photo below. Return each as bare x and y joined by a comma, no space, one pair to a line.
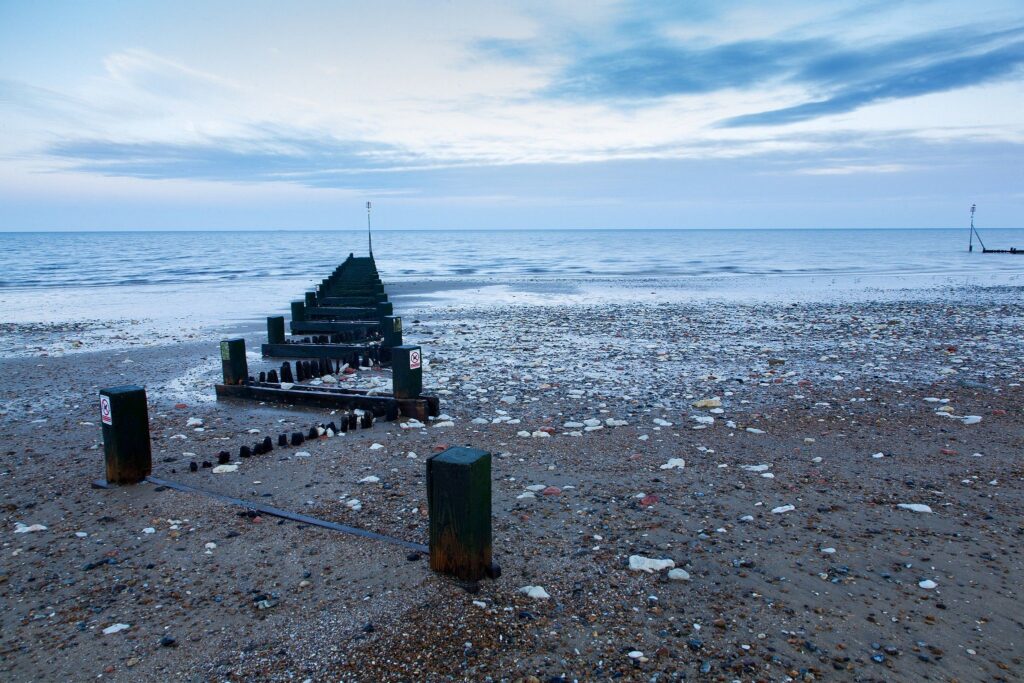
459,501
385,308
391,329
310,299
406,371
233,362
275,329
126,445
298,311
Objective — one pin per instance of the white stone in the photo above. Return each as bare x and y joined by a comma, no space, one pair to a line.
376,446
662,423
302,454
678,574
649,565
755,468
115,628
755,430
914,507
928,584
224,469
369,480
149,530
20,528
971,419
708,403
535,592
783,508
194,422
674,463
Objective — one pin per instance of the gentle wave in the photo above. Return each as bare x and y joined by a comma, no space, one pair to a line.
87,260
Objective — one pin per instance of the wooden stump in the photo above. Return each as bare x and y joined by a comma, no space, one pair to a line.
459,500
233,362
275,329
406,371
126,446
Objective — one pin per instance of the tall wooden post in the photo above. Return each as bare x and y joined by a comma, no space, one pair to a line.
233,362
459,501
310,299
298,311
126,446
275,329
406,371
391,329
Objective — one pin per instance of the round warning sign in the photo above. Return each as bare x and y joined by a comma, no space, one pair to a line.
414,359
105,414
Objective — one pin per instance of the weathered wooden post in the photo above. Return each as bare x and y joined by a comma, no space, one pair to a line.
310,299
126,446
298,311
275,329
232,361
459,501
391,329
384,309
406,371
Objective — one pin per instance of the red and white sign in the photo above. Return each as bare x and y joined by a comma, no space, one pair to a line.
105,415
414,360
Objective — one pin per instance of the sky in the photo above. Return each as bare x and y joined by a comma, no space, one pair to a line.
451,114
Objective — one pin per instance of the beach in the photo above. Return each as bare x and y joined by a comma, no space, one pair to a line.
764,447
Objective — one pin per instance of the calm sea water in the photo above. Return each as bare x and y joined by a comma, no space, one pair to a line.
240,275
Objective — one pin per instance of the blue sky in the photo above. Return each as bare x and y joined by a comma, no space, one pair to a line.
193,115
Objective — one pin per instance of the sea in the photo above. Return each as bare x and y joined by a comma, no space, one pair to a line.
199,278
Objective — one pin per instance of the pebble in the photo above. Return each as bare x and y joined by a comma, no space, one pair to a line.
783,508
674,463
928,584
535,592
115,628
678,574
20,528
649,565
914,507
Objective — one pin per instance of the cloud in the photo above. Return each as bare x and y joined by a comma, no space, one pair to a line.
836,78
269,155
900,80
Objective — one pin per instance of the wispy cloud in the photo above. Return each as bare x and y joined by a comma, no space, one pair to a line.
267,155
843,77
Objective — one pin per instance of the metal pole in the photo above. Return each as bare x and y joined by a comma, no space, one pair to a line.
369,235
970,244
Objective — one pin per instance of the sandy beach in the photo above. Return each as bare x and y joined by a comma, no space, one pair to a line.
766,449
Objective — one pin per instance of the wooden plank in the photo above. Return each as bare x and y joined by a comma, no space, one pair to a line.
286,514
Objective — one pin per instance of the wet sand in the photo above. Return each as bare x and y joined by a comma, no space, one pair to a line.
829,590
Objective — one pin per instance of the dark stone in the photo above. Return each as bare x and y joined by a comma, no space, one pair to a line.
243,452
193,466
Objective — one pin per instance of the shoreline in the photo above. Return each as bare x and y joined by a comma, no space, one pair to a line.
763,600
